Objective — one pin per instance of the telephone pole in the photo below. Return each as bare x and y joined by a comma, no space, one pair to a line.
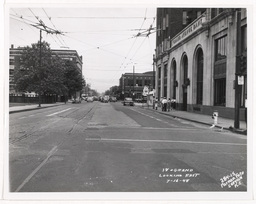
133,81
40,64
42,27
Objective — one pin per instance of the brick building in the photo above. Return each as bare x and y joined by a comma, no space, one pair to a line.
132,84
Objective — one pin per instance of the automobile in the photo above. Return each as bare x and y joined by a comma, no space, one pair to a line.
76,100
84,98
128,101
105,99
95,98
113,99
90,99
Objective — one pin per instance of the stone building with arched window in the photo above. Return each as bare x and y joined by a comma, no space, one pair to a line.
198,65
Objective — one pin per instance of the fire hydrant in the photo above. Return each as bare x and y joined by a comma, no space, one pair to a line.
215,117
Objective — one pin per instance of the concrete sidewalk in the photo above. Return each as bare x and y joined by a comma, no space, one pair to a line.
223,123
15,109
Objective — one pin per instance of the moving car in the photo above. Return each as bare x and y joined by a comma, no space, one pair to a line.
90,99
128,101
113,99
76,100
106,99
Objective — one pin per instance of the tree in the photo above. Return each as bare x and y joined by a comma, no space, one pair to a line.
73,78
113,91
45,79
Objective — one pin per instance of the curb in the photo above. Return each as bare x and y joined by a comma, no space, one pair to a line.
231,129
30,109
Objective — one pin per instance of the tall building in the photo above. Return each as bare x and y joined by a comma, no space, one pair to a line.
132,84
15,55
196,65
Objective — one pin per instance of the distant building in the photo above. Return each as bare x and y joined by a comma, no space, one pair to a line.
196,65
132,84
70,55
15,55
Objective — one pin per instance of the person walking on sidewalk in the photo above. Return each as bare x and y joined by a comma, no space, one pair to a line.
164,104
156,104
169,105
173,104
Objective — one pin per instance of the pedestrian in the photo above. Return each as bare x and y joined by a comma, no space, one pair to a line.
156,103
164,104
169,105
173,104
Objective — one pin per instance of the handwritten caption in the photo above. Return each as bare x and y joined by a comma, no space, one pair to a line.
178,175
232,180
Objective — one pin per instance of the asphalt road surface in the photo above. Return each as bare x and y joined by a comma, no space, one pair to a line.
107,147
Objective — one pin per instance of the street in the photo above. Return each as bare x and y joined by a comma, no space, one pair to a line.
108,147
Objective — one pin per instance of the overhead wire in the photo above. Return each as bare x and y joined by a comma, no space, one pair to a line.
103,17
42,24
125,58
144,19
54,27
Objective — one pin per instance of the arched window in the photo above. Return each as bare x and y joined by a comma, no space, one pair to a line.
200,74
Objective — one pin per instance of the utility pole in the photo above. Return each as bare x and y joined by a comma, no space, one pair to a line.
133,81
40,68
42,27
154,58
238,68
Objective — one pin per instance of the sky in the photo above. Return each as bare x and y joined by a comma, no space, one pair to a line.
107,38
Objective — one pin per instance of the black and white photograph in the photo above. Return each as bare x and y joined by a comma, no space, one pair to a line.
128,101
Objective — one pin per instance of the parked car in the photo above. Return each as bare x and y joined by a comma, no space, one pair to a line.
128,101
90,99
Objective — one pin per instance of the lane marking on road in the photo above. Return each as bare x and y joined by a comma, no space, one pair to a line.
53,150
168,141
221,153
149,116
59,112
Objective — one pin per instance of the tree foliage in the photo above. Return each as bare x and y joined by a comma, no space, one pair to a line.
54,76
74,80
113,91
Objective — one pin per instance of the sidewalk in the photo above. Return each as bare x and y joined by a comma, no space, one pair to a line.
223,123
15,109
